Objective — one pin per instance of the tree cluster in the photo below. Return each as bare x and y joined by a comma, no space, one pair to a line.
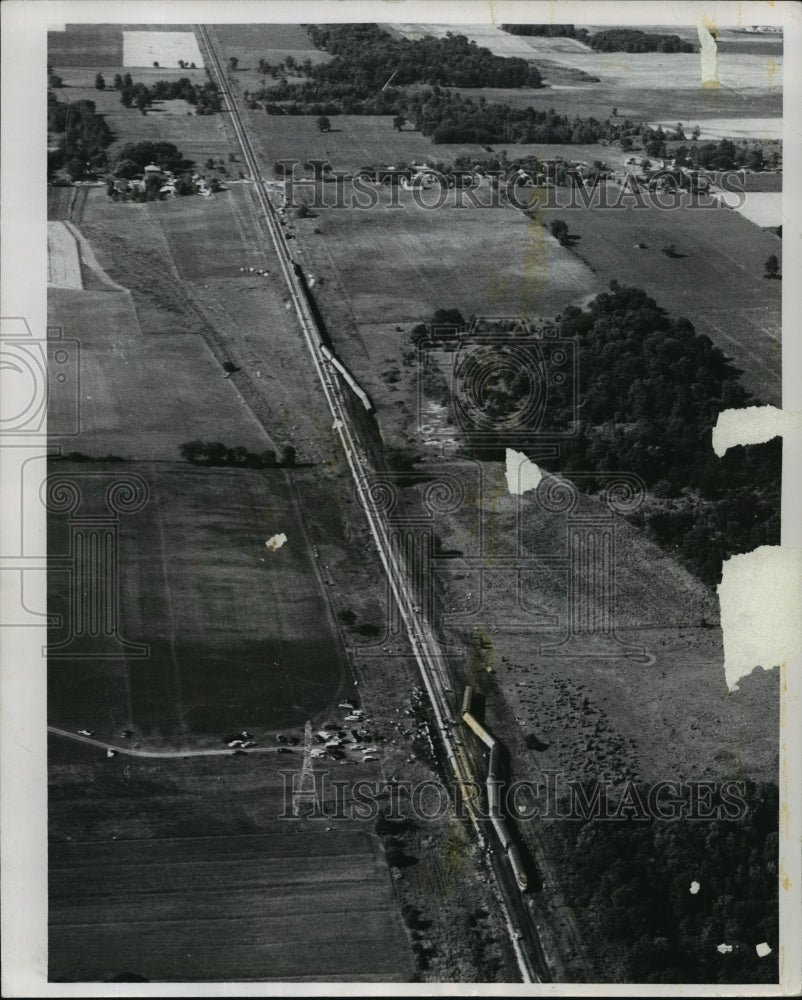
205,98
634,40
135,156
608,40
366,55
84,137
630,883
214,453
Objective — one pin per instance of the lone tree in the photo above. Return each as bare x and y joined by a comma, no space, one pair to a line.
772,267
398,122
559,230
100,83
233,62
324,124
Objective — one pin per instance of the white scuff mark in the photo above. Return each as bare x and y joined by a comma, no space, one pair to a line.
708,55
762,949
760,596
337,425
753,425
722,949
275,542
695,887
522,474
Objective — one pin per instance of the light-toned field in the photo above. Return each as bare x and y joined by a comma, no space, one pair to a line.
63,261
141,395
716,280
402,264
763,208
767,129
144,48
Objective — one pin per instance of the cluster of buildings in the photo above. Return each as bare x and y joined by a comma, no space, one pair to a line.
168,182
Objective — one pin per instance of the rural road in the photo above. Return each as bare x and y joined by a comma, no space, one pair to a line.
432,663
130,751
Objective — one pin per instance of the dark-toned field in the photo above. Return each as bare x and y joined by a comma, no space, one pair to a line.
184,870
238,635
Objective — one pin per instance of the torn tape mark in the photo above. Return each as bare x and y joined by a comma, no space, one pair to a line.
522,474
760,596
708,55
275,542
753,425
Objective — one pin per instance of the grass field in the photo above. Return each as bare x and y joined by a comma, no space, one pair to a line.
402,264
182,870
122,368
717,281
197,136
239,636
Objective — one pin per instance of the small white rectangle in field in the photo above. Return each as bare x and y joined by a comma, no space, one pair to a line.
144,48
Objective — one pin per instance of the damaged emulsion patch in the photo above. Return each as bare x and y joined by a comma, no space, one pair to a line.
753,425
522,474
275,542
708,54
695,887
760,594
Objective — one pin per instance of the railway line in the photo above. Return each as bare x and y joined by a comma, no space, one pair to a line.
434,671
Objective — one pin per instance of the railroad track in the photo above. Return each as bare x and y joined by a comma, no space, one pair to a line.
425,645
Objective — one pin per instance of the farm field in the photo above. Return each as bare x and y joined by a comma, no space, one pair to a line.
111,44
719,266
739,66
121,368
197,136
696,727
402,264
238,635
201,880
357,141
272,42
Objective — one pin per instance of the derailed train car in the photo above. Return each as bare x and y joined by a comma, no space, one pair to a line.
494,783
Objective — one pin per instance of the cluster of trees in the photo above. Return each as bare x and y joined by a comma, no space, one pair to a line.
651,390
205,98
367,56
370,69
630,882
609,40
725,155
135,156
217,454
83,134
633,40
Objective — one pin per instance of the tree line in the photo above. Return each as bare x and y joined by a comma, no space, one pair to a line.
608,40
